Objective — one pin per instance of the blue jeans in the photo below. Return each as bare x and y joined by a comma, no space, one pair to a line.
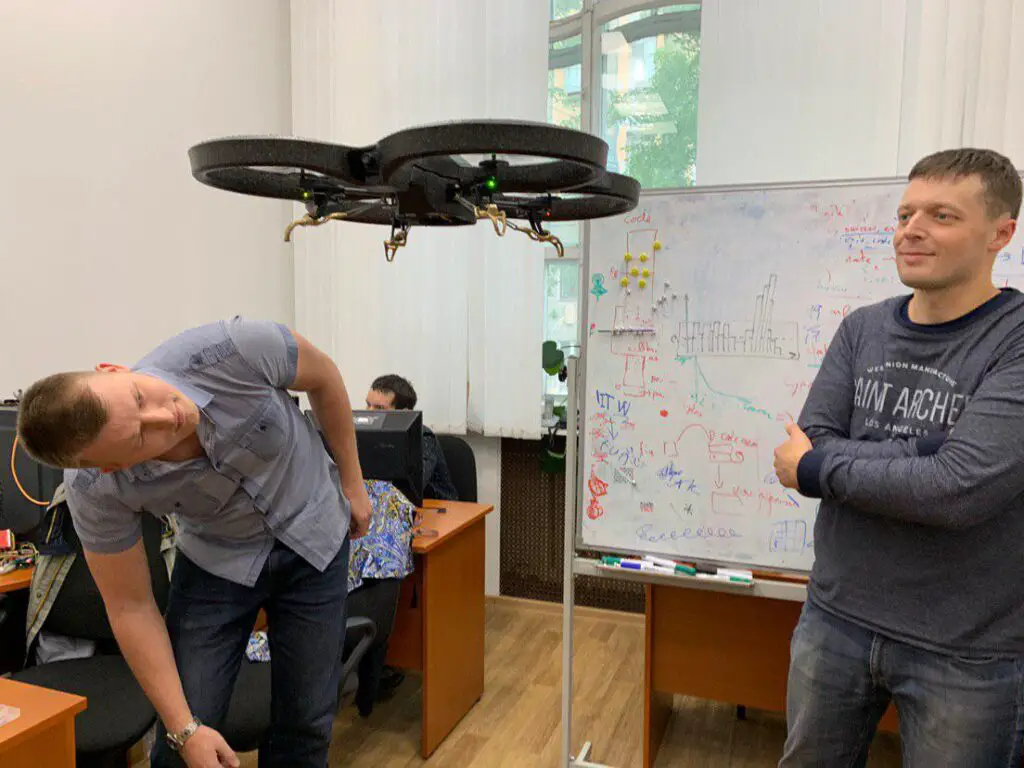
953,711
209,620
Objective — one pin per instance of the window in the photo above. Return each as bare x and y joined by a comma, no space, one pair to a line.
650,66
561,301
642,100
560,9
565,82
561,276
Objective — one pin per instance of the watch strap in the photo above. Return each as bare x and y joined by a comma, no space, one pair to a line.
177,740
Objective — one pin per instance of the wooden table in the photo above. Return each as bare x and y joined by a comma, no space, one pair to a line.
15,580
714,641
725,644
439,624
44,734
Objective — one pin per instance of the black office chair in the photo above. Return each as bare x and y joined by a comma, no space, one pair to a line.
248,718
13,610
118,713
461,465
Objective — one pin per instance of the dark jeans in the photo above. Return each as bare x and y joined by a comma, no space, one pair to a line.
375,599
953,711
209,620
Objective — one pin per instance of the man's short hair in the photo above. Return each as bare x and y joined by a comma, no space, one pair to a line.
999,178
58,417
401,389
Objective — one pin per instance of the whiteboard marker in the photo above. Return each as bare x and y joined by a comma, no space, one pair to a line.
728,579
676,567
635,565
610,560
659,569
745,575
640,565
660,561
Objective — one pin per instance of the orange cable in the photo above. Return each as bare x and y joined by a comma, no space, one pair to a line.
14,474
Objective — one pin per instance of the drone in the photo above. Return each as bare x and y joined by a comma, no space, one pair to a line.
446,174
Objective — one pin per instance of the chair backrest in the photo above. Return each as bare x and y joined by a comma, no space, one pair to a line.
461,465
78,610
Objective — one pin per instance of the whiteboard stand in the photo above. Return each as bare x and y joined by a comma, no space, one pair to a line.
568,573
582,762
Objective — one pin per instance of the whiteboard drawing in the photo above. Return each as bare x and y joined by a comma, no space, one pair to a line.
689,380
760,336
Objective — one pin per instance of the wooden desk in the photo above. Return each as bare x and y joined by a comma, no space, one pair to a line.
44,735
439,624
15,580
724,645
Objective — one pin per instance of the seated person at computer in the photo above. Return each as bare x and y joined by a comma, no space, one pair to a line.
393,393
377,565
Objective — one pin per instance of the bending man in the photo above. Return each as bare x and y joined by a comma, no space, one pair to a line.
203,428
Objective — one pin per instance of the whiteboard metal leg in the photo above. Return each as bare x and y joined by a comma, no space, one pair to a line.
569,552
582,762
568,583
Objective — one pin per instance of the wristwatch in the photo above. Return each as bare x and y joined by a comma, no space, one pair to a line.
177,740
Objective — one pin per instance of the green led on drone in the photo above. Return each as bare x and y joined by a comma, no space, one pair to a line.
307,195
491,183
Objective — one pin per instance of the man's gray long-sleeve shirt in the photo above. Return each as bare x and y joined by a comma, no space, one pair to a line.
918,459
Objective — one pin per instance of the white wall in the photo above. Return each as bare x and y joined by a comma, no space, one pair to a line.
108,243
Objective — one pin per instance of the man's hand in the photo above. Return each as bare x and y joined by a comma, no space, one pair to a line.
207,749
788,455
362,510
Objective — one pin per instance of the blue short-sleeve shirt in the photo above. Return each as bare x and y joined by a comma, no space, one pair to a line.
265,475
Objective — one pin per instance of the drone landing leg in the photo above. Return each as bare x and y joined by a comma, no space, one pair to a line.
399,237
502,224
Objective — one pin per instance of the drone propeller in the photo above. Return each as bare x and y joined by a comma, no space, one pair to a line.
285,168
536,157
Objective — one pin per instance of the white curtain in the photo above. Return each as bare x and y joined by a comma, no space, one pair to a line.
458,312
793,90
963,84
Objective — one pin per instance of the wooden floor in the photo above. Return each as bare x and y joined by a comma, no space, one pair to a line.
517,722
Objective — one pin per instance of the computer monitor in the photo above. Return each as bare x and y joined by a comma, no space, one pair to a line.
39,481
390,446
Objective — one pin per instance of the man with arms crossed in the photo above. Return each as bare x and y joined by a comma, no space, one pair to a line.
912,436
204,428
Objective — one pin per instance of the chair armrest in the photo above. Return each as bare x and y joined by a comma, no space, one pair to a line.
360,625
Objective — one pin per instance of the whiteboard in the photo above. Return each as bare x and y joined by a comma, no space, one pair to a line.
691,370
